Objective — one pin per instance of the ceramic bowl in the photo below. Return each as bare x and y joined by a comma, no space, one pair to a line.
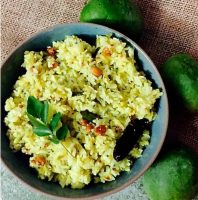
18,164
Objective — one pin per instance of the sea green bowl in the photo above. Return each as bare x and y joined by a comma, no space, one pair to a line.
18,164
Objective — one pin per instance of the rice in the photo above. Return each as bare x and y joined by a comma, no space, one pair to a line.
121,93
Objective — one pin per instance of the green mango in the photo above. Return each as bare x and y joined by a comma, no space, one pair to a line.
122,15
180,72
173,177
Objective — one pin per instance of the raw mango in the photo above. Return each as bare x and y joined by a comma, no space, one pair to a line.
181,74
122,15
173,177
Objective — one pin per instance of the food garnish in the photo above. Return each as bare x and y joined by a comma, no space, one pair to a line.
96,71
89,127
101,130
86,115
129,138
37,113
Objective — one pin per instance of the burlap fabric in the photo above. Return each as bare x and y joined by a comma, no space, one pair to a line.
171,26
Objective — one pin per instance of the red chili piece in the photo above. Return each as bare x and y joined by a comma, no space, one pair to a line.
101,130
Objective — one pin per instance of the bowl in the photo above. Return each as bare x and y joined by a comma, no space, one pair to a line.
17,164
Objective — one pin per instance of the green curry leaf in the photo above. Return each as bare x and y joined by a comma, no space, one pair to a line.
38,114
55,120
54,139
88,115
34,107
35,121
62,132
44,112
42,131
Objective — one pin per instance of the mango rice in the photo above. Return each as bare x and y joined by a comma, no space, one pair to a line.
67,82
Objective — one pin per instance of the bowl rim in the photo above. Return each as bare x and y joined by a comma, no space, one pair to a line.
101,195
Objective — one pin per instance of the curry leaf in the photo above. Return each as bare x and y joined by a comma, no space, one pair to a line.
42,131
88,115
35,122
34,107
55,120
44,112
37,113
62,132
54,139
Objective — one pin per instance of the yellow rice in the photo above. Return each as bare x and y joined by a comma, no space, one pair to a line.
121,93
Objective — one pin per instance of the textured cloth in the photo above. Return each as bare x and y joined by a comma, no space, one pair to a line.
171,26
